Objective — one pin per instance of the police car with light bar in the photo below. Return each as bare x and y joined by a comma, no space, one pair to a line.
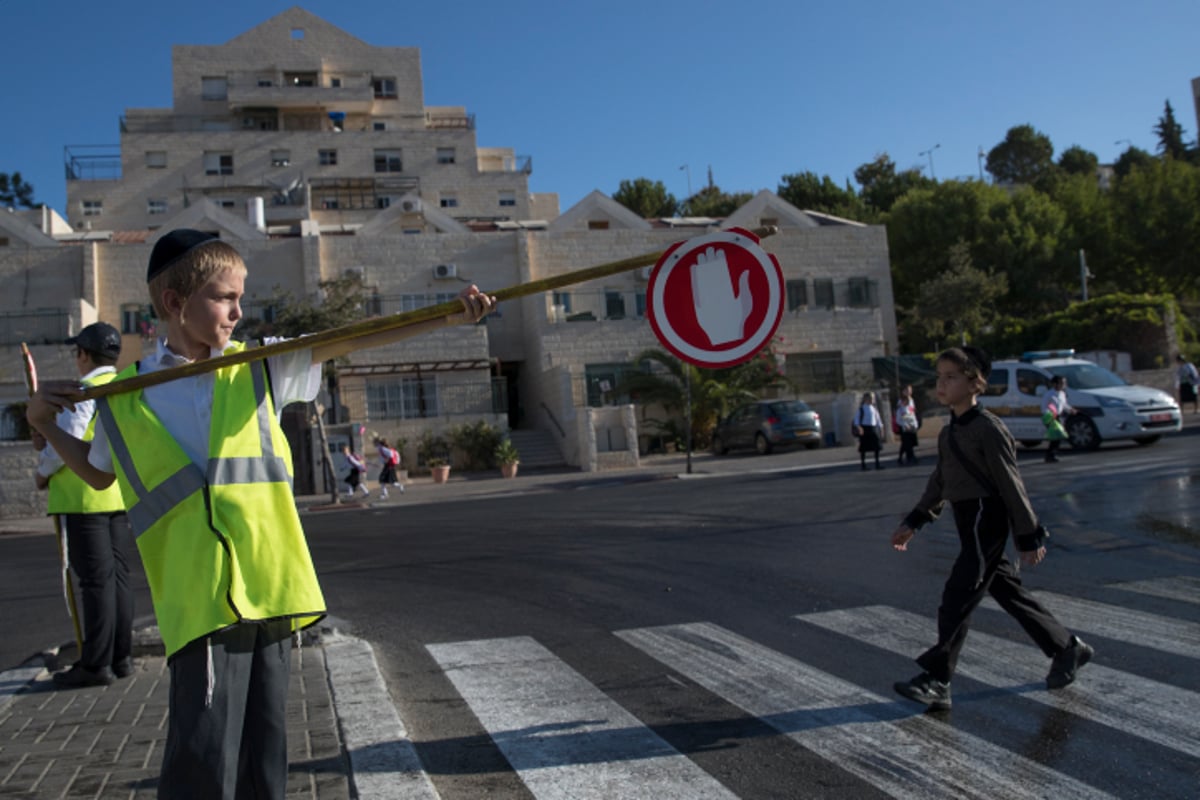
1104,407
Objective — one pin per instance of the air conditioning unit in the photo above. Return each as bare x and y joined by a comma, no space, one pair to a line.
445,271
411,205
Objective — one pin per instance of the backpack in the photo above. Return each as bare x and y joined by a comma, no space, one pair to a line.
394,457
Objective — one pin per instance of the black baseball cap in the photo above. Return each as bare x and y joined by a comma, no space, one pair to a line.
99,338
173,246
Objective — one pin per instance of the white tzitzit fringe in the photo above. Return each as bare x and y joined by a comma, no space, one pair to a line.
66,566
300,649
211,674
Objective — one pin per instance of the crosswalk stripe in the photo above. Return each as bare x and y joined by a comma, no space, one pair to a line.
879,740
1123,624
1155,711
1182,588
563,736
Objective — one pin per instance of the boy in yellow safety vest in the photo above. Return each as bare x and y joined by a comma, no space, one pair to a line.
99,542
206,471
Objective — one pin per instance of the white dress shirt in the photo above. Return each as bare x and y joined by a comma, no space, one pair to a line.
184,406
1059,399
73,422
868,417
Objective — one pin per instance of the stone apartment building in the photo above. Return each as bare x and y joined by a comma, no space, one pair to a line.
313,153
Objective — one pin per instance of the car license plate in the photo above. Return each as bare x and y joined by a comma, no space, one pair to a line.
1160,417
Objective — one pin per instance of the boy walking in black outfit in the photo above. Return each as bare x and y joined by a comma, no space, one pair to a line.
977,474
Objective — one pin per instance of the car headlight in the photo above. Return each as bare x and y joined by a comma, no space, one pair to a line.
1114,402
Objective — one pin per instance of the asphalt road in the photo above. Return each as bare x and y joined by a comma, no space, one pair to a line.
460,600
738,634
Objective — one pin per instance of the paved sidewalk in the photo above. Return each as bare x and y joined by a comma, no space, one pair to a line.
105,742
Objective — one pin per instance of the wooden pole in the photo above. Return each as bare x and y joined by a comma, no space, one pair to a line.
367,327
60,533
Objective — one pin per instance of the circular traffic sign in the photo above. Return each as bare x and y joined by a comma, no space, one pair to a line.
716,300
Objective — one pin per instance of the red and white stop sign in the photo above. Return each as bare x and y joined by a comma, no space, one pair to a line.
715,300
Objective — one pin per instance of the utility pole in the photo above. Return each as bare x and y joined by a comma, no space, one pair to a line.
1084,274
929,153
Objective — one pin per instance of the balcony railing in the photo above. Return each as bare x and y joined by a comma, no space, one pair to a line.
92,162
384,399
43,326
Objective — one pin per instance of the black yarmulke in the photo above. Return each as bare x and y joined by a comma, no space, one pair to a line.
981,358
174,246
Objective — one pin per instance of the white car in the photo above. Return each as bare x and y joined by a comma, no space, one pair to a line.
1104,407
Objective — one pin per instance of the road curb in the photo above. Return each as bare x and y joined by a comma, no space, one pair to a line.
383,761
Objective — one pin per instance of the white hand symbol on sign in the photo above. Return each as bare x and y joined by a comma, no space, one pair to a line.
722,314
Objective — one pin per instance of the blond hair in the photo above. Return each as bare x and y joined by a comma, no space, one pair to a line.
193,270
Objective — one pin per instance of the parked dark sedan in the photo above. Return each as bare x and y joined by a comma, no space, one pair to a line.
767,424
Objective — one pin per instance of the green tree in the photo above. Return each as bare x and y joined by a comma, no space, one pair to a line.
805,190
1077,161
1088,212
1132,159
1170,135
959,301
712,202
15,191
882,186
646,198
1156,213
338,302
1023,157
713,392
1014,233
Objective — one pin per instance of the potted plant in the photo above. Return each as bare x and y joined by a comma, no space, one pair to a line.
508,458
439,469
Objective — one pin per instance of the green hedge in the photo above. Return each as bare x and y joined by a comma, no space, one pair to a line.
1132,323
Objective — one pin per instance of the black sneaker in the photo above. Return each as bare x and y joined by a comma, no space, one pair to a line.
926,689
123,668
1068,662
79,676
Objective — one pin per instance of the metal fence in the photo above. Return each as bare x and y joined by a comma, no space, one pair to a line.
405,398
43,326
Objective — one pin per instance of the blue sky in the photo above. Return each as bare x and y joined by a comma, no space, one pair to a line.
599,92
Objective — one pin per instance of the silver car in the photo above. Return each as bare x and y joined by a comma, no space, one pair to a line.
767,424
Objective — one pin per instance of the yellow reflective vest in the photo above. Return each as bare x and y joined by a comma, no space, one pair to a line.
69,494
221,545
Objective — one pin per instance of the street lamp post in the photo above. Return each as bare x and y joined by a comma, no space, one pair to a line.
980,157
929,153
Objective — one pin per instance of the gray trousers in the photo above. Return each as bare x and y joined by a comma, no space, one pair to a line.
99,547
235,748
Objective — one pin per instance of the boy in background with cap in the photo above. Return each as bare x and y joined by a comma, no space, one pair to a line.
99,541
206,470
977,474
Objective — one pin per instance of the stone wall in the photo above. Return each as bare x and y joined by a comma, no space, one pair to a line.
18,496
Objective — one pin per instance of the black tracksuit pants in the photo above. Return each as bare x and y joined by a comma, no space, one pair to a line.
981,569
99,549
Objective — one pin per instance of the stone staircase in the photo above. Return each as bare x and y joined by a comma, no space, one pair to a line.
538,450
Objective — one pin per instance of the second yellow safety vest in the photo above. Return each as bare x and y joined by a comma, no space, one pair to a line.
69,494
